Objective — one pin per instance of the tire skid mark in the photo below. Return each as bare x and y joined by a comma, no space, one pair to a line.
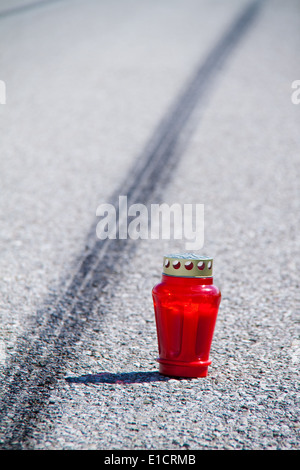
17,10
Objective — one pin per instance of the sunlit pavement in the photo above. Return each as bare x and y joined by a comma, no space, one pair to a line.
86,86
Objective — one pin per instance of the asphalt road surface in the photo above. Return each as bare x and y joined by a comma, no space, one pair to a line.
166,102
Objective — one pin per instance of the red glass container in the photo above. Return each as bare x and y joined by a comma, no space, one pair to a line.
186,304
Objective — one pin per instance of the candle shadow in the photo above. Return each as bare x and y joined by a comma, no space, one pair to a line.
118,378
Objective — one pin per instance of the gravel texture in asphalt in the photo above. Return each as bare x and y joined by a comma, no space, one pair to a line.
87,84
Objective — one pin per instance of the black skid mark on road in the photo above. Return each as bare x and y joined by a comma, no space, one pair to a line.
27,7
42,353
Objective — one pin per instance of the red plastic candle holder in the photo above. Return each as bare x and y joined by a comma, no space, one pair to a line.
186,304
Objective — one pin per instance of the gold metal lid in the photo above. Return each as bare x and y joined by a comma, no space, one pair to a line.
188,265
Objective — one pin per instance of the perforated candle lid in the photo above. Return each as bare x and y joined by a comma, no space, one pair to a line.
188,265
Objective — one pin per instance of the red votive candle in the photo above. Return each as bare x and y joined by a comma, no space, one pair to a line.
186,304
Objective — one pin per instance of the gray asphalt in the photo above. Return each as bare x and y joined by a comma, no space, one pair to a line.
87,84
